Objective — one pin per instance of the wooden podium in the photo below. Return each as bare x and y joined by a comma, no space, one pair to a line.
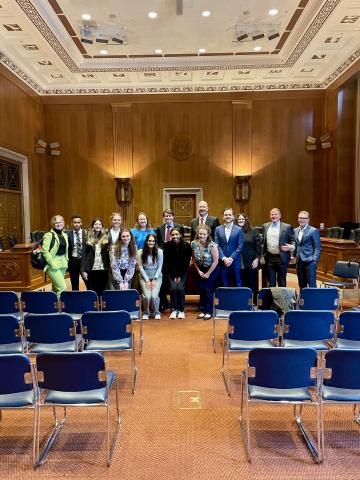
332,251
16,272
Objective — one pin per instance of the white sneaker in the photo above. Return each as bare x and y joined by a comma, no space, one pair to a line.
145,316
173,314
157,316
181,314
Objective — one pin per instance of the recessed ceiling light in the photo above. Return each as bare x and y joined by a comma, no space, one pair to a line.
273,11
202,50
103,52
158,51
206,13
152,14
257,49
86,16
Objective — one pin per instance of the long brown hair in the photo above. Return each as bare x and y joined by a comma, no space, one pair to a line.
132,246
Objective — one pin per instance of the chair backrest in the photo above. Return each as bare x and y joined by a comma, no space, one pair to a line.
346,270
112,325
309,325
9,302
10,331
253,325
345,368
39,302
264,299
355,235
128,300
78,301
14,370
232,299
49,328
37,235
349,325
319,299
334,232
282,367
71,372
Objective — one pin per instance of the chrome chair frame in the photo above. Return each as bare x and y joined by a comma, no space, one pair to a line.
348,270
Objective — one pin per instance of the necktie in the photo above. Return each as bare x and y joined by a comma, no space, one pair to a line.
167,234
201,220
78,244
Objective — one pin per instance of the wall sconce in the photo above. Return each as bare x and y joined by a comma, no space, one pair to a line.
242,188
325,142
123,192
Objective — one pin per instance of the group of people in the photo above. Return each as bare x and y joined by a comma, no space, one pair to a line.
156,261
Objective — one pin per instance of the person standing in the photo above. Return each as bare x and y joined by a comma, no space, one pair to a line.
55,248
230,240
123,260
278,243
250,254
77,241
204,219
307,250
141,229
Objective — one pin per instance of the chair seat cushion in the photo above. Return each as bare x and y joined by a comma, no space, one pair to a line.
279,394
341,394
344,344
334,283
222,313
249,344
11,348
19,399
53,347
315,344
120,344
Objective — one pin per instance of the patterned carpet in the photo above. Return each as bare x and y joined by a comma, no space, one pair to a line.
161,440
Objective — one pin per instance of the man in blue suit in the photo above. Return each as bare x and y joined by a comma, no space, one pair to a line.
230,240
307,250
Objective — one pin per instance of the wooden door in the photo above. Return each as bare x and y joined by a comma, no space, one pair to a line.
11,212
184,206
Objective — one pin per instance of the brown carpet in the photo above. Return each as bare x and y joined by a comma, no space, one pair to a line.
160,440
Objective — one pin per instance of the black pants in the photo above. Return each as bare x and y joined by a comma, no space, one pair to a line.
74,272
97,280
276,270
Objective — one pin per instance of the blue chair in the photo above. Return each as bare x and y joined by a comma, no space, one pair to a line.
308,328
248,330
18,389
10,304
110,332
76,302
281,376
319,299
75,380
264,299
39,302
348,331
11,340
341,381
128,300
348,271
230,299
50,333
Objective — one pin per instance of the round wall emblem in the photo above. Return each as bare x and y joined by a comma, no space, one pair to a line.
181,147
9,271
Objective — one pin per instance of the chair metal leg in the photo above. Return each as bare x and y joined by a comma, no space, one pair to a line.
213,334
111,445
226,375
356,411
52,437
245,435
315,452
35,451
141,337
133,368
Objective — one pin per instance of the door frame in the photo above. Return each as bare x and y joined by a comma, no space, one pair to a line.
18,157
168,191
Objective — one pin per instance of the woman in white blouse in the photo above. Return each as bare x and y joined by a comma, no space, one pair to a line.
150,261
123,260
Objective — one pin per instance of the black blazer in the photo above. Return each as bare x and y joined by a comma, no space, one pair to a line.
88,258
177,258
252,247
211,222
160,233
72,241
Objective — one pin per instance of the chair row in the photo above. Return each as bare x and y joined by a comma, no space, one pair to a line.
50,333
58,380
294,376
315,329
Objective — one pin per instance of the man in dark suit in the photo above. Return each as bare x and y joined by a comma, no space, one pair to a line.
77,242
163,236
204,219
278,243
230,240
307,251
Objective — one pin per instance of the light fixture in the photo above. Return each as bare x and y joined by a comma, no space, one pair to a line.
123,192
242,188
158,51
206,13
257,49
202,50
242,36
273,11
117,40
257,35
152,15
273,35
86,16
103,52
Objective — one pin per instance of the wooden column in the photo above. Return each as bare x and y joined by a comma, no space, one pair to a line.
123,151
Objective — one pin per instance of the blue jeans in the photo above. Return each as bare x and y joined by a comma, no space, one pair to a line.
234,269
207,287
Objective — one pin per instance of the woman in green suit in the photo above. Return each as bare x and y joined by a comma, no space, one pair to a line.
55,251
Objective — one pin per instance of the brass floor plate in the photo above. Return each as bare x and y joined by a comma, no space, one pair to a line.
189,400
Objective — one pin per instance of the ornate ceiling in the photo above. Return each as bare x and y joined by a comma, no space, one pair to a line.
239,46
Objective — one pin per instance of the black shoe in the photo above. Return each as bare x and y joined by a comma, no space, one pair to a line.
163,307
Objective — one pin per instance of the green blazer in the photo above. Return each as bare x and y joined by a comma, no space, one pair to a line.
50,254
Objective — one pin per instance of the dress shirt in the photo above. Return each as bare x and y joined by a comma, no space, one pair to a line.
272,238
228,228
301,234
75,252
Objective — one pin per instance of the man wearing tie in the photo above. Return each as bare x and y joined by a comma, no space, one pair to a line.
307,251
163,236
204,219
77,241
230,240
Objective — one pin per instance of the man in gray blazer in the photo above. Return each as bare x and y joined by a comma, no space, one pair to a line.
204,218
307,250
278,243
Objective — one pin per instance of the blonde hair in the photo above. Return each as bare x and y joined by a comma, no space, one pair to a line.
53,220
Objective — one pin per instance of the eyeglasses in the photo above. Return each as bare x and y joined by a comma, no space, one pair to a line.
303,218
